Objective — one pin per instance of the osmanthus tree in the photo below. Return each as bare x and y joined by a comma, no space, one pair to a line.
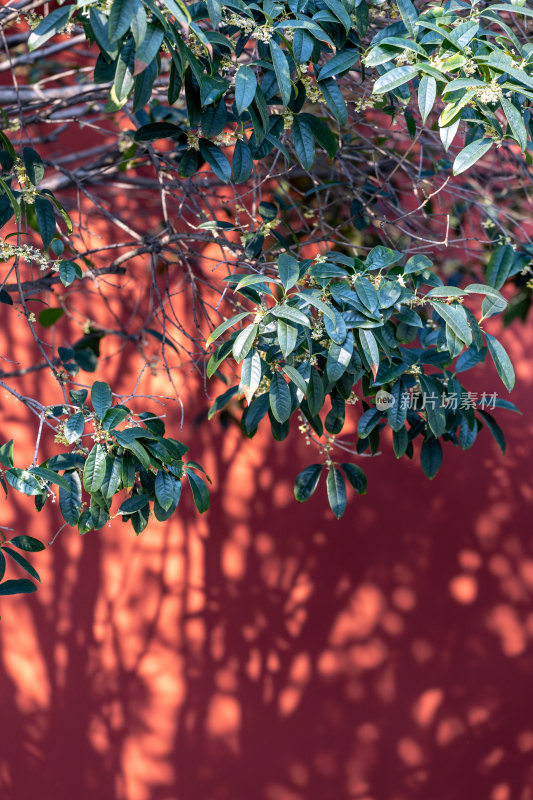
339,128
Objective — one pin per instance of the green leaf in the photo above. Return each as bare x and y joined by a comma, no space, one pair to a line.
22,562
287,337
470,154
298,379
306,482
304,142
408,14
224,326
516,123
2,565
289,270
500,265
94,470
356,476
50,316
435,413
216,160
281,68
46,220
112,482
339,63
336,492
446,291
477,336
34,165
70,501
315,392
156,130
367,294
396,415
53,22
280,398
502,361
68,272
394,78
338,9
245,87
49,475
11,197
151,44
200,492
431,457
250,280
113,417
27,543
493,305
221,401
339,356
370,349
250,375
242,163
455,317
495,430
334,100
481,288
73,427
22,586
322,133
23,481
244,341
120,18
6,453
214,8
368,421
382,257
134,503
291,314
400,440
327,310
101,398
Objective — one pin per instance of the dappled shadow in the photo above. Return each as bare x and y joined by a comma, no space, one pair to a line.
268,652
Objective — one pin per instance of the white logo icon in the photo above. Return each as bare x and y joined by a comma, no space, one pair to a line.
384,400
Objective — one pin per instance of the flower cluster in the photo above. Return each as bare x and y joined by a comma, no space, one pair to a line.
490,93
28,253
314,95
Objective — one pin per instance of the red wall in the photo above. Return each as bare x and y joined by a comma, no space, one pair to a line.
268,652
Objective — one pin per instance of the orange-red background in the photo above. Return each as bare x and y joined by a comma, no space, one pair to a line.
266,651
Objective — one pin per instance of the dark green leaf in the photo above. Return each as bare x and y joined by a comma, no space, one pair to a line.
46,220
200,492
133,504
356,476
70,501
94,470
336,491
306,482
502,361
27,543
22,562
281,68
245,87
22,586
34,165
280,397
101,398
304,142
431,457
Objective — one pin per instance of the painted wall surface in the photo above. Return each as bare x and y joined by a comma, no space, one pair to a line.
266,651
